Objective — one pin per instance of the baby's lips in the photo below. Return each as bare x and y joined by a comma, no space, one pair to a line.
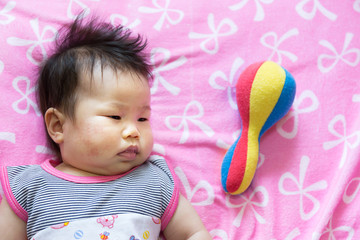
129,153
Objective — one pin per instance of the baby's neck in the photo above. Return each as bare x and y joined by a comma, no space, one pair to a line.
65,168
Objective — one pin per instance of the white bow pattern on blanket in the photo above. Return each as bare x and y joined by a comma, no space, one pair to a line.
302,190
301,6
294,113
179,15
211,43
350,141
193,106
357,6
336,57
249,203
39,42
276,43
7,136
349,197
260,14
164,66
24,97
190,193
330,230
123,21
5,17
229,82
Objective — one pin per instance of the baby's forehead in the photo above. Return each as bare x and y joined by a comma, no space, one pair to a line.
92,69
90,79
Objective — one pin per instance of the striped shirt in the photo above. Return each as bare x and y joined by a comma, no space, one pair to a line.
43,196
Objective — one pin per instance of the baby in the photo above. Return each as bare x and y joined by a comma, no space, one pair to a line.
94,94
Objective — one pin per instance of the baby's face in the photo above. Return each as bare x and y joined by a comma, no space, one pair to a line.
111,132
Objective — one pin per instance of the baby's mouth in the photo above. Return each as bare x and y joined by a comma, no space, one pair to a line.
129,153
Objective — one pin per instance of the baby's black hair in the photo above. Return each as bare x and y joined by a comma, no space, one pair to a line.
79,46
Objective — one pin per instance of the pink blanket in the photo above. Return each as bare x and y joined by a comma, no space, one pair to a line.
308,178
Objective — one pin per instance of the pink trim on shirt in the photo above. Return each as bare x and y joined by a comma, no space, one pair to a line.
171,208
49,167
15,206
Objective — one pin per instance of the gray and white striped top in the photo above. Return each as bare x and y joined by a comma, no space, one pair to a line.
43,196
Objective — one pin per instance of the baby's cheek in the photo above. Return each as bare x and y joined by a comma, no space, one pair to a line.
97,139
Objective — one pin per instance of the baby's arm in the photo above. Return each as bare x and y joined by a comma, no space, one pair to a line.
186,224
11,226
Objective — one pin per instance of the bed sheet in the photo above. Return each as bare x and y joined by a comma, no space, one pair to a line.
308,178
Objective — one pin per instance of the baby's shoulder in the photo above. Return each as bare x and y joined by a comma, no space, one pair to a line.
157,172
159,164
22,172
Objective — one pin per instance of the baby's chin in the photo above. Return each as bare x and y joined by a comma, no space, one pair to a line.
123,167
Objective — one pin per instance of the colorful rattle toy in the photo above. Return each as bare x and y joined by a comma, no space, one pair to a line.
265,92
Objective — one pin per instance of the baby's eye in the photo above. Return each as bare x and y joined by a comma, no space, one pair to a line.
115,117
142,119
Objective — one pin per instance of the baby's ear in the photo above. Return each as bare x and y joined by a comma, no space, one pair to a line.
54,120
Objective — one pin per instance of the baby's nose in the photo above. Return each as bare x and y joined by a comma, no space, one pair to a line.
130,131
